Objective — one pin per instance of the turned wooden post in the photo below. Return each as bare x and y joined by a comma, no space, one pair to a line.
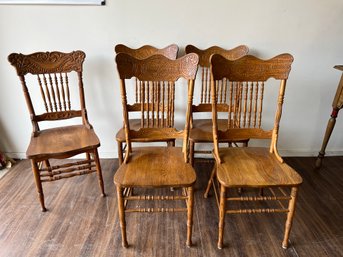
337,104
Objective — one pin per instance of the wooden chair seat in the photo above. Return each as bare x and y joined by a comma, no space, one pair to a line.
145,169
254,167
62,141
202,130
135,124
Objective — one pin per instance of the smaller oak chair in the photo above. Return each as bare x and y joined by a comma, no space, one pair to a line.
51,74
156,166
140,53
252,167
201,129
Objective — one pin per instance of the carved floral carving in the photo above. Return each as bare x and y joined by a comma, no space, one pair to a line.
251,68
204,55
47,62
157,67
147,51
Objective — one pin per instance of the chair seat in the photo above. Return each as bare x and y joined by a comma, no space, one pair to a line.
254,167
61,142
201,130
135,124
155,167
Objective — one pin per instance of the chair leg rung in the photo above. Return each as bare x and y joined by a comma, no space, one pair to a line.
157,210
248,211
66,175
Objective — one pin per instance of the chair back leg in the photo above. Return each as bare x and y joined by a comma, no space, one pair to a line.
221,216
190,203
99,172
120,152
38,181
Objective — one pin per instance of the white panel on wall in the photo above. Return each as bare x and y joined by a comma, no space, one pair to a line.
62,2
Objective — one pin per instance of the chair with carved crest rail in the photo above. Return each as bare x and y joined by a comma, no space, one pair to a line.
252,167
156,166
201,129
55,75
140,53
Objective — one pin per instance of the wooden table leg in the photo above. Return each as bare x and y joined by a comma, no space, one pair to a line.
329,129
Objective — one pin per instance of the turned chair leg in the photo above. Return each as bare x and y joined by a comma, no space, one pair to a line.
190,203
122,215
221,216
88,158
209,183
191,153
48,166
289,221
171,143
38,181
120,152
98,170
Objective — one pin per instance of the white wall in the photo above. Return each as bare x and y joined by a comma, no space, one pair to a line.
311,30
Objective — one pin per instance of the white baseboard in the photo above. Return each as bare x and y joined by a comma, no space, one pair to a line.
284,153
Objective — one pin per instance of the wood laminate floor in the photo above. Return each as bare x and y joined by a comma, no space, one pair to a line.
79,222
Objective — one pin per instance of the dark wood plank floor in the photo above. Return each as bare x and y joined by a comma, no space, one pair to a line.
79,222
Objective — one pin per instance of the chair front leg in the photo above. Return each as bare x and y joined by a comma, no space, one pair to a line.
122,215
190,203
35,170
221,216
120,152
290,215
98,170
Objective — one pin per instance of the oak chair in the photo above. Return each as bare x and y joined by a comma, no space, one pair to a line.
140,53
156,166
252,167
201,129
51,74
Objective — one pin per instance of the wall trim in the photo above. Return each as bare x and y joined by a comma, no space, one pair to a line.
283,153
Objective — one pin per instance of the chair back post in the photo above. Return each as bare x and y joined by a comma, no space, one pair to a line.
273,144
188,120
82,101
35,126
125,118
214,120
